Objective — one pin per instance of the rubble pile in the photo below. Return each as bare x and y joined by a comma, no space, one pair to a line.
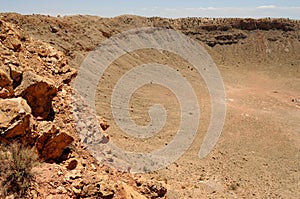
36,110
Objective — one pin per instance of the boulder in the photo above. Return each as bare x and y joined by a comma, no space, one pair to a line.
5,79
52,141
54,29
97,186
13,43
6,88
16,73
99,190
129,193
39,92
14,117
103,123
154,189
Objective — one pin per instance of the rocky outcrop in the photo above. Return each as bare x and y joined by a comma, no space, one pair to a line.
32,73
153,189
5,77
52,141
6,88
9,38
99,186
130,193
36,109
235,43
38,92
264,24
63,32
14,118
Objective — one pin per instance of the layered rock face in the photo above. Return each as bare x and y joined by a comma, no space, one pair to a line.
270,40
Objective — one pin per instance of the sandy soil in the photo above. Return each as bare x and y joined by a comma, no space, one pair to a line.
257,155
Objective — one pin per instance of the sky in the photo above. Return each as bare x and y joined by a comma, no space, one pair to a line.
162,8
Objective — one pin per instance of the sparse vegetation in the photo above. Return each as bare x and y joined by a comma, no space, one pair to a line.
16,162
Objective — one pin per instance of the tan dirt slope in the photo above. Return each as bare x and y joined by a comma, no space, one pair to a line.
258,153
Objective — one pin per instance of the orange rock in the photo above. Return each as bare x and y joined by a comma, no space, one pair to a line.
39,92
14,117
130,193
52,142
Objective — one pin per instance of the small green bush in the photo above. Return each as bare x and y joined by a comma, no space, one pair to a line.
16,162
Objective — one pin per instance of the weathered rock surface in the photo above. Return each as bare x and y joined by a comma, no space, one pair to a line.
14,117
210,31
269,42
130,193
32,71
5,93
12,43
103,124
153,189
38,92
9,37
52,141
36,109
6,88
5,79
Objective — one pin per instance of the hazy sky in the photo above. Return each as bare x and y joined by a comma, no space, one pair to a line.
164,8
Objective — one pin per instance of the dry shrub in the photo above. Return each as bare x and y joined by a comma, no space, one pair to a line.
16,162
